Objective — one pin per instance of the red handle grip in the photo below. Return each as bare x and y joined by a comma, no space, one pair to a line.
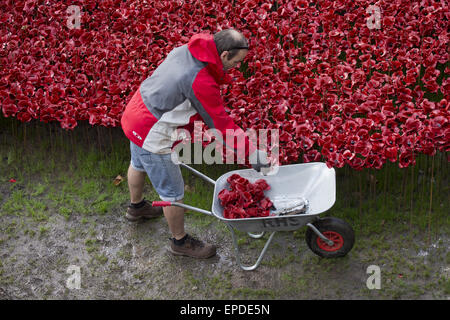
161,203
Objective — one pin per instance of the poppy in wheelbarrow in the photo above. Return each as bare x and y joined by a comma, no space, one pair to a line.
245,199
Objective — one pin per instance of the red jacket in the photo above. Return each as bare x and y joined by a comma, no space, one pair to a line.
183,89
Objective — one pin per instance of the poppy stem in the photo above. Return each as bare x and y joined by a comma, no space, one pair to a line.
360,199
61,138
74,151
424,172
24,134
405,196
387,168
50,136
403,190
431,199
111,140
4,136
14,130
372,191
377,191
87,137
347,178
411,212
99,141
369,192
442,173
111,147
37,130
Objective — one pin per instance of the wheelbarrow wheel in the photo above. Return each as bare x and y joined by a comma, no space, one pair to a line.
337,230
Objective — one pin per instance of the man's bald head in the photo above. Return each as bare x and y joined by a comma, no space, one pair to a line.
230,40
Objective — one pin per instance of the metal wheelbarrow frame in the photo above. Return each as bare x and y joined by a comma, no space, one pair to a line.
313,181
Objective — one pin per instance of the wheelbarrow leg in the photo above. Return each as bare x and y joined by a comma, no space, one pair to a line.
236,247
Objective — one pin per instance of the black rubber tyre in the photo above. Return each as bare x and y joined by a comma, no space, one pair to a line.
335,229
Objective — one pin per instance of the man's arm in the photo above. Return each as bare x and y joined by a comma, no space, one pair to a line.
205,98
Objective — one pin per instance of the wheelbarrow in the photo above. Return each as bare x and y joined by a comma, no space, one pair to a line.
299,193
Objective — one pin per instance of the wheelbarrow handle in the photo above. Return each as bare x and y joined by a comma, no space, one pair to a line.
161,203
199,174
182,205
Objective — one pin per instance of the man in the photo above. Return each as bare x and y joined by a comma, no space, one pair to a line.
183,89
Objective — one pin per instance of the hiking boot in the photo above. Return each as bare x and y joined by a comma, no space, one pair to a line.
146,211
192,248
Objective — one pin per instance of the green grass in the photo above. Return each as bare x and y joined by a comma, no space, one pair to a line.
83,174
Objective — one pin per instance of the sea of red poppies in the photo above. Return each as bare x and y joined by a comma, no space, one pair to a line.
338,89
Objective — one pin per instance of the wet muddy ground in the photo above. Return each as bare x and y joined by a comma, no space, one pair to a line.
118,259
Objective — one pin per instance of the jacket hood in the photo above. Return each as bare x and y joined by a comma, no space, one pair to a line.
203,48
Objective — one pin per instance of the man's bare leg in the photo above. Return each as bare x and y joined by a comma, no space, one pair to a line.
175,219
136,182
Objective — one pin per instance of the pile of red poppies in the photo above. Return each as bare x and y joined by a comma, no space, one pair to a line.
245,199
337,88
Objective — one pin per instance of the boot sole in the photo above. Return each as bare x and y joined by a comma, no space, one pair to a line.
133,218
188,255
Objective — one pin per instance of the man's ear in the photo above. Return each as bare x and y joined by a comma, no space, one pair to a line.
224,55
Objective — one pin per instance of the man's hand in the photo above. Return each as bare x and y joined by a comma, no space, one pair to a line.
259,160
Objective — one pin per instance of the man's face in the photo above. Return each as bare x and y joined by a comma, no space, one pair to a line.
233,62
